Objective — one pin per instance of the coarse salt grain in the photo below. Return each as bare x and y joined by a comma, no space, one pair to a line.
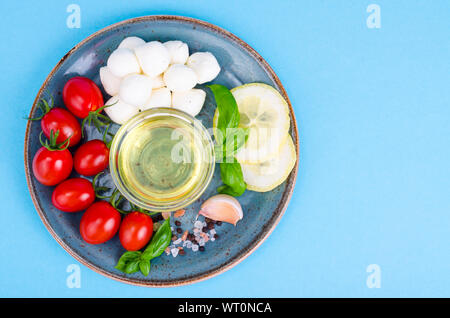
212,239
212,232
194,247
174,252
178,241
204,236
198,224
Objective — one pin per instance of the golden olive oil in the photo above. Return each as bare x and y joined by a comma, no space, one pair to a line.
161,159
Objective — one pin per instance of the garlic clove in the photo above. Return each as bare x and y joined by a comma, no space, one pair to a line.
222,207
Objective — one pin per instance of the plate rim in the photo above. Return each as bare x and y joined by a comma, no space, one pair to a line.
279,211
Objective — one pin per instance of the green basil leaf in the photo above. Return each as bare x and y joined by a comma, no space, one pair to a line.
132,267
224,189
235,139
127,258
229,116
232,177
144,266
159,242
232,137
219,153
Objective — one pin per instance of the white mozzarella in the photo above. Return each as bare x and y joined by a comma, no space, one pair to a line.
153,57
179,51
110,82
190,101
158,81
161,97
136,89
120,111
122,62
205,66
179,77
131,42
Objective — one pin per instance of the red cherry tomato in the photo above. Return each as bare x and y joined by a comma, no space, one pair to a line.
82,96
58,119
91,158
52,167
135,231
99,223
73,195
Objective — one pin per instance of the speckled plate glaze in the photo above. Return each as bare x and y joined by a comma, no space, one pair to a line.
262,211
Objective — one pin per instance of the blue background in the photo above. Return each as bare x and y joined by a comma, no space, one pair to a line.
373,108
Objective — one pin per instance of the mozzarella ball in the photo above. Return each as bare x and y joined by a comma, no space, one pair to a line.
120,111
110,82
136,89
161,97
179,51
131,42
190,101
179,77
158,82
122,62
205,66
153,57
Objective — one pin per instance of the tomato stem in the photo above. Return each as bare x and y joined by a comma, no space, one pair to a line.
105,133
45,108
99,120
115,200
51,144
98,189
139,209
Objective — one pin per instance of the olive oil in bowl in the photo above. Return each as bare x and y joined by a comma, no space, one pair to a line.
162,159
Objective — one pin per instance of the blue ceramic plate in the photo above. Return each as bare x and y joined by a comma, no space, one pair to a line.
262,211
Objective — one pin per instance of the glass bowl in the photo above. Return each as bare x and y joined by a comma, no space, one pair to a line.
162,159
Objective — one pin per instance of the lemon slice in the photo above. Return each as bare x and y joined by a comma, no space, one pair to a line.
265,112
268,175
